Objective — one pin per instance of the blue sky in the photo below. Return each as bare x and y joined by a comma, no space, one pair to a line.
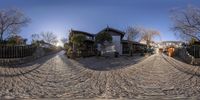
59,16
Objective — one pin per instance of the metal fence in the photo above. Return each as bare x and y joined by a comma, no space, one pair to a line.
16,51
194,51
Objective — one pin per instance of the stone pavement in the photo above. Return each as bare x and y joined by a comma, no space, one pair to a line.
57,77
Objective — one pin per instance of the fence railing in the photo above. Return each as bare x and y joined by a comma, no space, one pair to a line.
194,51
16,51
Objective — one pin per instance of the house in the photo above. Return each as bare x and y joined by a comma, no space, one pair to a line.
135,47
89,36
122,47
117,36
89,47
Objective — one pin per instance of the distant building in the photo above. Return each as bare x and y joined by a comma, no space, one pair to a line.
164,45
175,44
152,43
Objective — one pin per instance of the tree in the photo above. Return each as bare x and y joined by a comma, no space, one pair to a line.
132,34
11,21
186,22
49,37
148,35
192,41
77,41
102,37
35,38
16,40
64,40
66,46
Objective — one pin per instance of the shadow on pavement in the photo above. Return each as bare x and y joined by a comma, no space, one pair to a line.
106,64
18,70
182,66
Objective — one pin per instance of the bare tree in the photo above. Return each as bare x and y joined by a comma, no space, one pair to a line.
35,37
186,22
64,40
148,35
49,37
132,34
11,21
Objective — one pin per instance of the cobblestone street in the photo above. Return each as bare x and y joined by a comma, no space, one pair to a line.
56,76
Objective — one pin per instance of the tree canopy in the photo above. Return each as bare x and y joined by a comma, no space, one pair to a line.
47,37
102,37
132,33
16,40
78,39
148,35
11,21
186,22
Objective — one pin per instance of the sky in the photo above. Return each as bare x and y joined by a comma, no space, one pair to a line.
59,16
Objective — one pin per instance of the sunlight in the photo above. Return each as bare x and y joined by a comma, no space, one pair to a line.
59,44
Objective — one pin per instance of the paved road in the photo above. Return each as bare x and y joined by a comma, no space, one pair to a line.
156,77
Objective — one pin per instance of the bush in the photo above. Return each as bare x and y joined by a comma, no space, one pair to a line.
78,39
71,54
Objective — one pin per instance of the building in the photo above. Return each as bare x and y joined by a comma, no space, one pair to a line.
164,45
130,47
89,47
151,43
117,45
117,36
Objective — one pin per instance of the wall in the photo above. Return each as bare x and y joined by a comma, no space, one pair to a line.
40,52
182,52
116,40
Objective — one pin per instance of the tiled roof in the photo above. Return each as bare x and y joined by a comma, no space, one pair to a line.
86,33
112,29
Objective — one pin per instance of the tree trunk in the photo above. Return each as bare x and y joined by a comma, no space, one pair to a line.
1,37
131,50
